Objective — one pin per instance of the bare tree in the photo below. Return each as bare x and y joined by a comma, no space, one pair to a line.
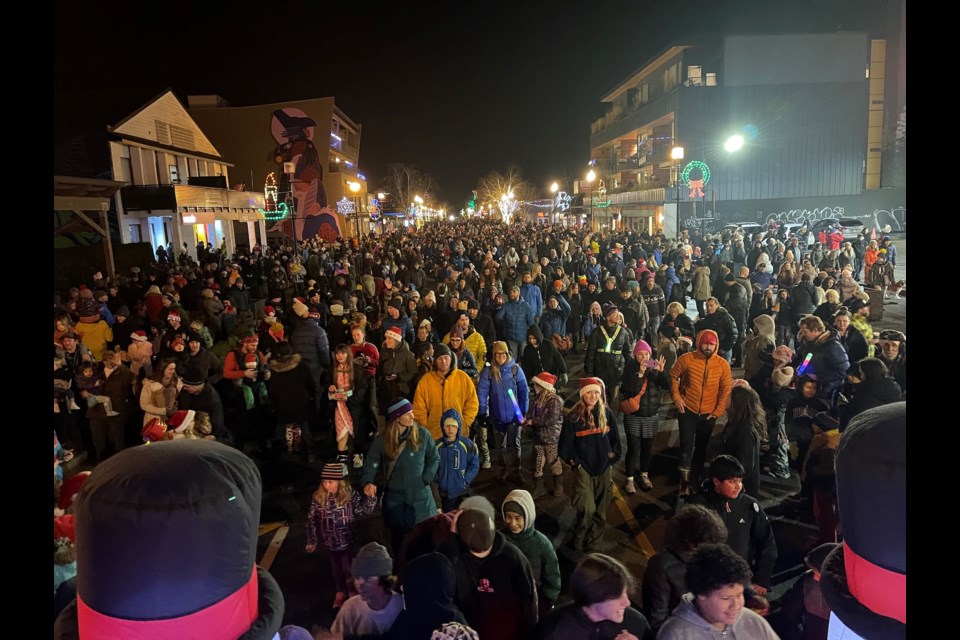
404,181
495,184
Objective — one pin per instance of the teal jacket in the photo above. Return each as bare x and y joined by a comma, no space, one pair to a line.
537,548
407,499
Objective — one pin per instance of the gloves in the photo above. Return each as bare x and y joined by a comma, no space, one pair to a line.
563,380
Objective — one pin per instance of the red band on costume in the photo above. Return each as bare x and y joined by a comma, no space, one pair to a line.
882,591
229,618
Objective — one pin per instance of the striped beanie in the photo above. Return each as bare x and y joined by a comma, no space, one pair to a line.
333,471
398,408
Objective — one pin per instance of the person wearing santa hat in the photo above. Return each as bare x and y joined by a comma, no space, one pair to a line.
701,382
590,444
546,417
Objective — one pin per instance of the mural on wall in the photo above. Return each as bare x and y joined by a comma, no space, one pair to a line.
293,131
895,218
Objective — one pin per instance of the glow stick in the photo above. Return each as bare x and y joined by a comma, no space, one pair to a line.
806,361
516,405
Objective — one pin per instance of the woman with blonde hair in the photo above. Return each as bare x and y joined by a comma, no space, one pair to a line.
590,444
787,276
61,325
870,256
408,459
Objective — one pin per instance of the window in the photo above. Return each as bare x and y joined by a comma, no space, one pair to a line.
694,75
135,233
174,174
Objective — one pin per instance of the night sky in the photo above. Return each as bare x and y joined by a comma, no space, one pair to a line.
456,88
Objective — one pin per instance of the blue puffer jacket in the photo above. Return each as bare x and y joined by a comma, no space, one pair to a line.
403,324
671,280
516,316
593,273
311,342
555,320
493,396
534,297
459,462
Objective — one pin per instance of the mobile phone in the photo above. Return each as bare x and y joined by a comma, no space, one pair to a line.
650,364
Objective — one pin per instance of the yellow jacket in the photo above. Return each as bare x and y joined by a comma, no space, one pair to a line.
95,337
475,343
436,394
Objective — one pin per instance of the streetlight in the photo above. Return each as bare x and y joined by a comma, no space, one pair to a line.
554,187
591,176
355,189
677,154
733,143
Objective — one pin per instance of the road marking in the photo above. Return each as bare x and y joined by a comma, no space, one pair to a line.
639,536
267,527
645,495
271,552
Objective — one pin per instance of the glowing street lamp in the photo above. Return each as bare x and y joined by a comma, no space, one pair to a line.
734,143
677,154
554,187
591,176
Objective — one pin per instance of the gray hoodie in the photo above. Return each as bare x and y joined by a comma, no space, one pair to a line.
686,623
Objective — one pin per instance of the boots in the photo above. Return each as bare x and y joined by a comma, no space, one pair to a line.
538,488
557,486
686,488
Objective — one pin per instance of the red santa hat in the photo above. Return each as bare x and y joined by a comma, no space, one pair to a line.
70,489
546,380
590,384
181,420
269,311
393,332
139,336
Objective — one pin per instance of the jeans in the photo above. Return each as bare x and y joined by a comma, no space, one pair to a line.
727,355
785,335
510,445
695,430
652,326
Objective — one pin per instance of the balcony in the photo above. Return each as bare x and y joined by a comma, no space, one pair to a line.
637,197
179,196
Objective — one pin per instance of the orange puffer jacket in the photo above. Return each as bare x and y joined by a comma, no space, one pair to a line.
703,383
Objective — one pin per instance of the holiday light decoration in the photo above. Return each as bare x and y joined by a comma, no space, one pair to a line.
272,210
696,185
345,206
562,203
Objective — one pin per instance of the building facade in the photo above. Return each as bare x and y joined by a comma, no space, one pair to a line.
311,147
810,109
177,183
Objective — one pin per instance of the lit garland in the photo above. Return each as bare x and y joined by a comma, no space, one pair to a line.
696,186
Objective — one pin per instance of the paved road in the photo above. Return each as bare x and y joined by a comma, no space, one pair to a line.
636,523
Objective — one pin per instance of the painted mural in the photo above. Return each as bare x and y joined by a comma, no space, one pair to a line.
293,130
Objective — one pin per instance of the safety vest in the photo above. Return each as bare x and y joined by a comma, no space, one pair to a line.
610,339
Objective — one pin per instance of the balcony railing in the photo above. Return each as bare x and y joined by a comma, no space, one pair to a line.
171,197
634,197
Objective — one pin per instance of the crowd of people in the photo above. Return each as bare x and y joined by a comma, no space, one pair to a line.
419,358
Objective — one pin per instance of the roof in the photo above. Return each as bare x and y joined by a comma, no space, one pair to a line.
665,54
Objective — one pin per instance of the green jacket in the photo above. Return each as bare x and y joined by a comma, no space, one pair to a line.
407,498
537,548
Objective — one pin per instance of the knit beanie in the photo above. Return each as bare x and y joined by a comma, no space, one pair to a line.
398,408
454,631
372,560
500,346
300,308
642,346
333,471
514,507
441,350
782,377
478,503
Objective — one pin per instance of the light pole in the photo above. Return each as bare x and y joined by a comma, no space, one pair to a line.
677,154
355,189
591,176
553,196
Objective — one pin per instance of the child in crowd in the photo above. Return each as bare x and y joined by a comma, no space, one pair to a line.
62,382
546,418
333,512
459,462
801,411
90,379
205,337
519,514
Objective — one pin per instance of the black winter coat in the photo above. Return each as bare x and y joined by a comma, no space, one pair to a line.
803,300
663,586
657,383
543,357
723,323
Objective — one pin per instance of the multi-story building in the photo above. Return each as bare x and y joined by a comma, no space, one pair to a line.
311,147
177,183
810,108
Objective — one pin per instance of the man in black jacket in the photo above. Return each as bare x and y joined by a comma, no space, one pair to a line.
719,320
748,530
484,326
655,301
735,299
198,395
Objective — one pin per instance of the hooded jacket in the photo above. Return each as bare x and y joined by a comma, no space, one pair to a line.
398,362
493,397
537,549
546,418
704,384
656,383
555,320
497,594
429,588
540,358
436,393
459,462
686,623
669,282
701,283
474,342
515,316
752,347
723,324
829,363
407,498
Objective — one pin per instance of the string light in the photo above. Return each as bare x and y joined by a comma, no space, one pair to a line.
345,205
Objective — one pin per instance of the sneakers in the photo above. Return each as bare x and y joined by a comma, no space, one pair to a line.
73,406
485,464
339,599
629,487
645,483
112,413
357,460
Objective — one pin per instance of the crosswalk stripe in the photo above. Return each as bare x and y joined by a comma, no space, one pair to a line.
271,553
267,527
639,536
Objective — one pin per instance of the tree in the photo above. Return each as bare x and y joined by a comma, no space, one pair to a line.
404,181
495,184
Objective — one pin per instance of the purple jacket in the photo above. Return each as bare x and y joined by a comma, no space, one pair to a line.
336,523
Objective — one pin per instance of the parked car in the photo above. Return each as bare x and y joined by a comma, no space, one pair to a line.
751,229
849,227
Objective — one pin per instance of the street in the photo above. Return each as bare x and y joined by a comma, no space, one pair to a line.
636,523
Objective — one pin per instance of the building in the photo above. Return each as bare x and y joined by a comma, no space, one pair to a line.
811,110
311,147
177,182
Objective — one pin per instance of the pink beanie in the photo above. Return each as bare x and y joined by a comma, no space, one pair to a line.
642,346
